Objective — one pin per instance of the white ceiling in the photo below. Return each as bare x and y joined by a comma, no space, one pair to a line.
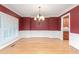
47,10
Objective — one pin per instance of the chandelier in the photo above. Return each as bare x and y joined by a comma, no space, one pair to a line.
39,17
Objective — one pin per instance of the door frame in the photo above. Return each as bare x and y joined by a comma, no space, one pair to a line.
68,14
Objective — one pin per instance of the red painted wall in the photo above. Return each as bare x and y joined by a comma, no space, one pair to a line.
36,25
59,23
24,23
74,20
54,23
7,11
28,23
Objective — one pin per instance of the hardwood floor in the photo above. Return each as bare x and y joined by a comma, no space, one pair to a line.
39,46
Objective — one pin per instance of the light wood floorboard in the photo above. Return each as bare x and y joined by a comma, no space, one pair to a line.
39,46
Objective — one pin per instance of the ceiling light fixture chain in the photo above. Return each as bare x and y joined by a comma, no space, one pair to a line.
39,17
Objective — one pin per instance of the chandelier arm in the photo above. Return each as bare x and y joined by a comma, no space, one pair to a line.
39,16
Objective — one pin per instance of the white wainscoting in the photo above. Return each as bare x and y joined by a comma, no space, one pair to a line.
40,33
8,29
74,40
9,42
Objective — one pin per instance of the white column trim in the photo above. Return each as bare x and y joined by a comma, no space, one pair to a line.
68,14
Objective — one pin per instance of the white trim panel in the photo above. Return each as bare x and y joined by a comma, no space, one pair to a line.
49,34
62,29
9,42
8,29
74,40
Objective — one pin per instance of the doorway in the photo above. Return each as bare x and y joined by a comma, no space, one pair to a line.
65,26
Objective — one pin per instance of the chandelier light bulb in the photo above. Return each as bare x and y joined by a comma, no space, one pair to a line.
35,18
39,17
42,18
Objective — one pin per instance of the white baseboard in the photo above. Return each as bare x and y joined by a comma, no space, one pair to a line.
74,40
40,33
10,42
